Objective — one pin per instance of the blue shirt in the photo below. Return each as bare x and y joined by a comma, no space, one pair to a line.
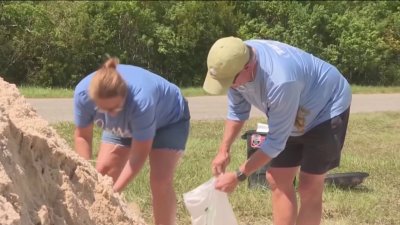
288,78
151,103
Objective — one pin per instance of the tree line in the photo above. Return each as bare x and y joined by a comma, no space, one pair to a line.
57,43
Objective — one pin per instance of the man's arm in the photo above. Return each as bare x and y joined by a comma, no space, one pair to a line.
256,161
221,160
137,157
227,182
282,114
231,131
83,141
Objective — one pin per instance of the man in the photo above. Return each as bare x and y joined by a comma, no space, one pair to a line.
307,103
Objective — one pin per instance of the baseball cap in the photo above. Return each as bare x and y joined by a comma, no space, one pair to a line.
226,58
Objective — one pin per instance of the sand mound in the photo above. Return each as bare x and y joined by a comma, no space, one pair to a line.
42,181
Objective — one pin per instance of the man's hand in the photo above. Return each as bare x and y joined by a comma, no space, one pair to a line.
220,162
226,182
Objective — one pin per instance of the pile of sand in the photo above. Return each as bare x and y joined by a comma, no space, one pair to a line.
44,182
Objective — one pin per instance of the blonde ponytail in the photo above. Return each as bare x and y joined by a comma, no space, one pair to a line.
111,63
107,82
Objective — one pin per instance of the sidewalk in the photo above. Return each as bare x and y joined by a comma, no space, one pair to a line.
214,107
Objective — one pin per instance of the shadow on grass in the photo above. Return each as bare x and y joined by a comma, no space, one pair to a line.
357,189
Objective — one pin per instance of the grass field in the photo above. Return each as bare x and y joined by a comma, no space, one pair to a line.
41,92
372,146
45,92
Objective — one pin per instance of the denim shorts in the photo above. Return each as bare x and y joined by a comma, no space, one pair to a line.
173,136
318,150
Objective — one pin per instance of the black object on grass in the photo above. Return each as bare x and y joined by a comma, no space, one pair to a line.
346,180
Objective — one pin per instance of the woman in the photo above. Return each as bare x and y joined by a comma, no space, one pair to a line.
142,116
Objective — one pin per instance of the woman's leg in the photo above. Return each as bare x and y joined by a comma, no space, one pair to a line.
111,159
162,167
284,204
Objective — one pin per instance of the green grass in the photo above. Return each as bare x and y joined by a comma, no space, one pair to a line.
372,146
357,89
45,92
42,92
193,91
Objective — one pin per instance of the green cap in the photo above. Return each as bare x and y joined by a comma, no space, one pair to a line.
226,58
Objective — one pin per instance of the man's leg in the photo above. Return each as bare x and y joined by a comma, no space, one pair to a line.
322,152
284,204
310,190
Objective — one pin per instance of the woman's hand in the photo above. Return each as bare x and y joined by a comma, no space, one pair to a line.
138,155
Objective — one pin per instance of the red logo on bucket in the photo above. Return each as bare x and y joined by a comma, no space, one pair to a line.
256,140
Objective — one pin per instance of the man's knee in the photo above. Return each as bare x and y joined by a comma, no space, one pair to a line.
311,191
281,181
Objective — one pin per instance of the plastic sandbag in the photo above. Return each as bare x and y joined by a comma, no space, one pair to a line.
208,206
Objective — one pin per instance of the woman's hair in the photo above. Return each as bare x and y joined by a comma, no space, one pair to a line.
107,82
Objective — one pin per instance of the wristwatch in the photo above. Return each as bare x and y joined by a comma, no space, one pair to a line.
240,175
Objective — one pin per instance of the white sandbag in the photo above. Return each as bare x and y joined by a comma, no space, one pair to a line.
208,206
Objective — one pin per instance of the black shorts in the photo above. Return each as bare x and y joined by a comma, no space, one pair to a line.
318,150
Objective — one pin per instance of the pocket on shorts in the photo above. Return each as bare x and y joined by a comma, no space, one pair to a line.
336,123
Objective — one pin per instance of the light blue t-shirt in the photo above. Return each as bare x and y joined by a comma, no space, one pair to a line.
151,103
288,78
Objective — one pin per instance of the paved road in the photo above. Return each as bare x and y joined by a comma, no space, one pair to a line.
214,107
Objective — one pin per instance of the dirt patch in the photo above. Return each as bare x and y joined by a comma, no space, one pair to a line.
44,182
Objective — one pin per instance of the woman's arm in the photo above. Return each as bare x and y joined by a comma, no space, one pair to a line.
137,157
83,141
